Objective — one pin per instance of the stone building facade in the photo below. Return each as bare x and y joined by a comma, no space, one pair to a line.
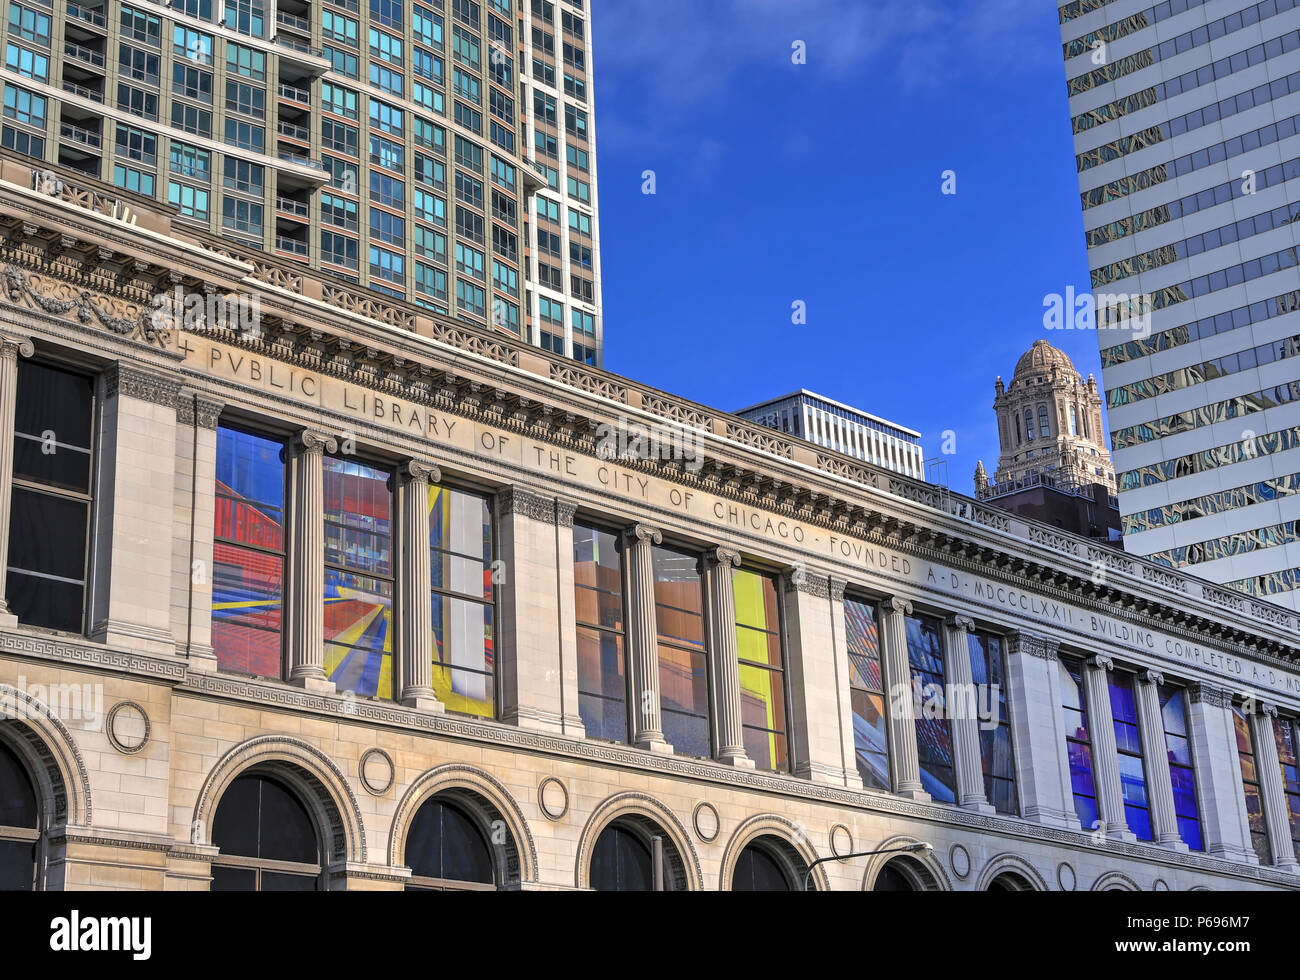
460,646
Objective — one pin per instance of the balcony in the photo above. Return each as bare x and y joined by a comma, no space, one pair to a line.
84,91
80,134
292,93
87,15
83,54
293,246
293,131
293,22
293,207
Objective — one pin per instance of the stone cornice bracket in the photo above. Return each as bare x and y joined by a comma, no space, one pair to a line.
309,441
1102,662
1042,647
644,532
726,557
419,471
897,604
1152,677
961,624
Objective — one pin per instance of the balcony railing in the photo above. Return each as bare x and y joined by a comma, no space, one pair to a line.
290,245
82,53
83,91
80,134
294,131
293,20
289,205
295,94
295,45
301,160
87,14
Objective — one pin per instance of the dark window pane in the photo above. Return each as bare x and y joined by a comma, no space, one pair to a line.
259,818
277,881
18,802
233,879
621,862
758,871
52,426
444,842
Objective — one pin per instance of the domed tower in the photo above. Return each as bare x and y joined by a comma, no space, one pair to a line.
1049,424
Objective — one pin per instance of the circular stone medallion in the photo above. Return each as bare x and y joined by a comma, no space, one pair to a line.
707,823
553,797
377,772
128,727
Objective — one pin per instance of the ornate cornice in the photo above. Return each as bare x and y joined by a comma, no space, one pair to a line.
526,503
1215,697
140,321
564,511
1041,647
809,583
127,379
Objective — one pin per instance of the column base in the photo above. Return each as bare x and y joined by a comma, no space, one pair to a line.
314,685
916,794
1238,854
573,726
656,745
1176,845
740,761
424,702
8,620
1122,834
980,805
533,720
203,659
1051,817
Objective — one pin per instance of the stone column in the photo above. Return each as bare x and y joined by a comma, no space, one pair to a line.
1034,703
904,762
643,650
963,715
306,607
1160,786
1105,755
1218,774
194,532
844,698
1272,793
528,606
568,619
816,737
724,655
10,348
414,583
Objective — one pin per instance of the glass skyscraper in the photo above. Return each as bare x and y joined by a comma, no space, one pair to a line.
441,152
1185,117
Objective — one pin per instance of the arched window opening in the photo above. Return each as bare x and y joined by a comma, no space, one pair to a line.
1029,423
267,838
1009,881
20,813
769,864
903,874
623,858
447,850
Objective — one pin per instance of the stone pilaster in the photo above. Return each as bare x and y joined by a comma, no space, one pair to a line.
1272,792
306,609
131,584
1218,774
643,650
415,633
1034,699
194,518
904,763
10,348
528,607
962,714
1105,755
568,619
1160,786
724,655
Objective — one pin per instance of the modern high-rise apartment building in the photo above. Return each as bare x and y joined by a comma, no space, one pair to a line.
441,151
1186,118
842,428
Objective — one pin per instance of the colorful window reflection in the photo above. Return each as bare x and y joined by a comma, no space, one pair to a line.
602,632
986,667
1250,785
930,706
762,669
359,577
1128,742
683,656
1078,743
867,694
1173,709
248,553
464,613
1284,733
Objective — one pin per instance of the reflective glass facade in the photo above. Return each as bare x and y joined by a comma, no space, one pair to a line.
762,669
1182,768
1284,733
1250,777
930,704
1078,743
996,753
602,632
683,654
867,693
1128,742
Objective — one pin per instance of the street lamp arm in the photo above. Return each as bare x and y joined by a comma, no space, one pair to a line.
905,849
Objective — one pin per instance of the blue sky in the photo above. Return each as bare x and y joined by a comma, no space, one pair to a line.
821,183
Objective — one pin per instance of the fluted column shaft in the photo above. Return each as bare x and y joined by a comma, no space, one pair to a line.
307,563
1160,784
1272,793
415,655
904,762
724,655
963,715
9,351
643,631
1105,754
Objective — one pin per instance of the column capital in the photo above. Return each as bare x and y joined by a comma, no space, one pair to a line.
1102,662
1266,708
11,347
897,604
644,532
1042,647
837,586
420,471
1151,677
959,623
528,503
800,579
1216,697
313,443
565,509
726,557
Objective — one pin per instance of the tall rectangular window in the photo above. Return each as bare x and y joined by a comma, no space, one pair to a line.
683,652
1173,709
49,525
1078,743
464,609
1250,785
1128,742
1284,734
602,632
933,733
762,669
867,693
358,577
987,673
248,553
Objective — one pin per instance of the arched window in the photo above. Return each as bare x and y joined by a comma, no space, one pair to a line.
903,874
1019,437
1029,423
1074,421
768,864
268,840
1009,881
19,824
623,858
446,850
